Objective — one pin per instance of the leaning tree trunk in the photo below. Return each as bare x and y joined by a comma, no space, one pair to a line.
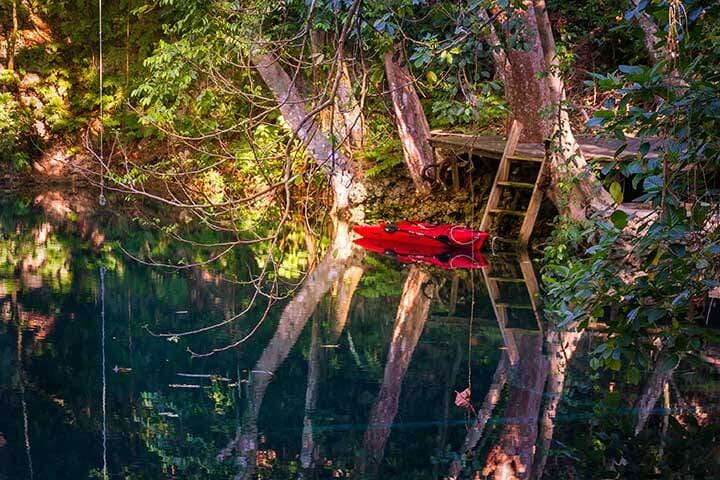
512,457
337,167
410,118
350,120
567,160
348,284
411,316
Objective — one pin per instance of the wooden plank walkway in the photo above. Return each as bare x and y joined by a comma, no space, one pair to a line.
510,151
493,146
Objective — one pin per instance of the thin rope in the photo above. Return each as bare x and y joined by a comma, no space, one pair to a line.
26,418
472,276
104,378
101,198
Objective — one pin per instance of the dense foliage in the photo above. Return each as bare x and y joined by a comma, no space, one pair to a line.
651,280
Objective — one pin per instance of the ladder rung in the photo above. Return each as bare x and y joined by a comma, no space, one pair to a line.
514,305
517,213
508,279
525,158
516,184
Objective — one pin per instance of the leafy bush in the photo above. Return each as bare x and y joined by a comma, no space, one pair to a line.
15,128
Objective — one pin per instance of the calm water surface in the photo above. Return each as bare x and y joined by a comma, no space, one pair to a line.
354,375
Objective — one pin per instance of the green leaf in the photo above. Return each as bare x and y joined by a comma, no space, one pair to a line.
644,148
633,375
619,219
669,363
631,69
616,192
653,184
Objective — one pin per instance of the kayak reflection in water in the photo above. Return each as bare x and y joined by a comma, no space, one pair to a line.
445,246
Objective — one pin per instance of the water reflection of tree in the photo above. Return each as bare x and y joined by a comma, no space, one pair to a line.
244,447
635,437
410,320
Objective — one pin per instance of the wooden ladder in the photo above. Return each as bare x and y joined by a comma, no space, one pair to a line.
501,308
502,180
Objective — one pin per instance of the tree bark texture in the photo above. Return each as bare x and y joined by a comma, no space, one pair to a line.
512,457
411,316
410,118
12,42
336,166
526,88
351,121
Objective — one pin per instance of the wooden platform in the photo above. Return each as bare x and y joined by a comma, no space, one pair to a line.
449,147
493,146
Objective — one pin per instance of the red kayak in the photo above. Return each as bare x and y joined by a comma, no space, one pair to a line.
440,255
424,235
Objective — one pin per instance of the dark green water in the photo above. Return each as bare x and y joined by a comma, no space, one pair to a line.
312,392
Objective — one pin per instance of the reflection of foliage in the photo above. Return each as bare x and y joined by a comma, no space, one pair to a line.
381,279
165,433
222,396
606,446
50,259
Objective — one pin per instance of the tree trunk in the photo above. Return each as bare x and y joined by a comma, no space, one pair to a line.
650,35
498,54
411,316
344,119
532,86
492,397
351,121
12,41
567,160
526,88
337,167
562,346
410,118
512,457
